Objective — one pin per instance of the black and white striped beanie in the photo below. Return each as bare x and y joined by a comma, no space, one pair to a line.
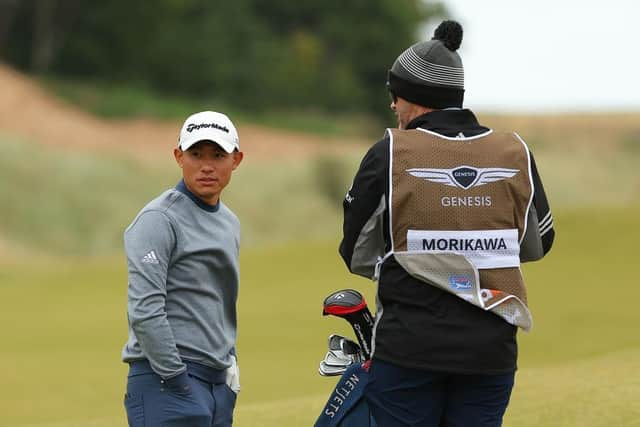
430,73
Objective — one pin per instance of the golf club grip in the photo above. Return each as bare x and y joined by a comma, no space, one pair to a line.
362,324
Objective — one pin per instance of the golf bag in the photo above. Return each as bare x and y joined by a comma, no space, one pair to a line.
346,406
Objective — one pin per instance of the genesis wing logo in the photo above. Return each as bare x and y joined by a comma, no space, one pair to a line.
464,177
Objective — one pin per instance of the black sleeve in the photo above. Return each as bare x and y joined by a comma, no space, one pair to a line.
539,234
545,219
363,207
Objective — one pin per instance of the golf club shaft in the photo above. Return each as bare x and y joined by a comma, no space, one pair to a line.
362,324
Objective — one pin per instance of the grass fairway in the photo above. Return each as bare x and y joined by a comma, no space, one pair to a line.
64,324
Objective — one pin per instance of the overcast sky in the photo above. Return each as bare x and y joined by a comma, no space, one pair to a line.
550,55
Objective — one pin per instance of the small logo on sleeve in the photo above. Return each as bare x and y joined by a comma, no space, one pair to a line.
151,258
348,197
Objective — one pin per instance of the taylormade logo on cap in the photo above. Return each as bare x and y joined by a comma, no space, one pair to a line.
206,125
209,126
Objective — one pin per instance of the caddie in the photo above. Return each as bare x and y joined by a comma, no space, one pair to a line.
441,213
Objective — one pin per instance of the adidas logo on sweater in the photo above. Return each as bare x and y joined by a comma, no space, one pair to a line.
151,258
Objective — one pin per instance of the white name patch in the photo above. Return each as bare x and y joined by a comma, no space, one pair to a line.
483,248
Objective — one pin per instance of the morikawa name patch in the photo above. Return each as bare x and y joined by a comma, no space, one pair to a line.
483,248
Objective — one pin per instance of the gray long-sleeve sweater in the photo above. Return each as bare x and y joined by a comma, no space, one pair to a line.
182,258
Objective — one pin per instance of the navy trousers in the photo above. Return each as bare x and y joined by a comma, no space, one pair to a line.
198,399
401,397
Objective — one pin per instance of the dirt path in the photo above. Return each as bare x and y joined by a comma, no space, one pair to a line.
28,111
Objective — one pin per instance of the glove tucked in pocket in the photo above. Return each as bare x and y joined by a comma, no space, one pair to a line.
233,375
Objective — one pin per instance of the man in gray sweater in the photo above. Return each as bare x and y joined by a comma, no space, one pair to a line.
182,256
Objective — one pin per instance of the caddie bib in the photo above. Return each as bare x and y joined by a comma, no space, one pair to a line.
458,209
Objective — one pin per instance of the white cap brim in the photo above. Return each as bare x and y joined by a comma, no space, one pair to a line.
229,147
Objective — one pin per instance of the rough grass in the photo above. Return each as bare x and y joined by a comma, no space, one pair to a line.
78,203
69,202
73,202
65,324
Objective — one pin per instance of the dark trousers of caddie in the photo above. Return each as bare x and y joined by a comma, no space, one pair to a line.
199,399
401,397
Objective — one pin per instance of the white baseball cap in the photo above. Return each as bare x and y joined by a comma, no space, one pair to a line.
209,126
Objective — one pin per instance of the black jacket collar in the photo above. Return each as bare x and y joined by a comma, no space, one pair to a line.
450,122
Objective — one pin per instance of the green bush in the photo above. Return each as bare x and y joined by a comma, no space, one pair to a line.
333,175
